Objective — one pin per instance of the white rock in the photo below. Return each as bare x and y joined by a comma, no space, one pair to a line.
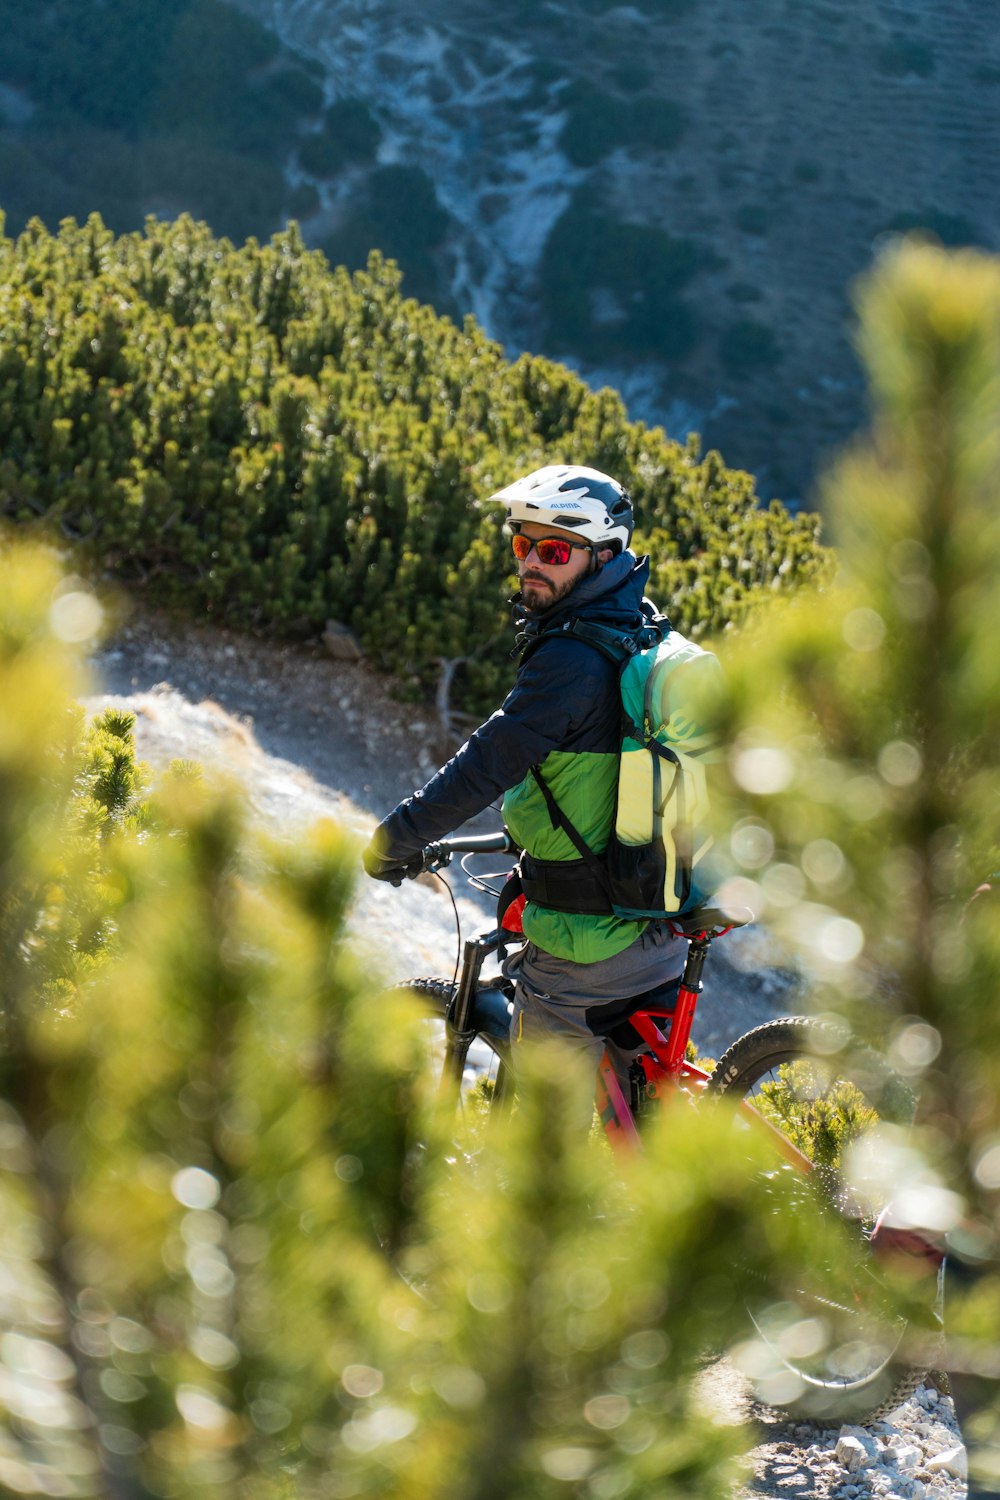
952,1461
906,1456
852,1453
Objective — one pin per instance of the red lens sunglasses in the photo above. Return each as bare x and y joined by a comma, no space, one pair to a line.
551,551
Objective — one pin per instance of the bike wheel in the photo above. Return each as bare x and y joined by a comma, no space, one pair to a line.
833,1349
486,1085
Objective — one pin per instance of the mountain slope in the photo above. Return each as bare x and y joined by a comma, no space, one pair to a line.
671,195
712,176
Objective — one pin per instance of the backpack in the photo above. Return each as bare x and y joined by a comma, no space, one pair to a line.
659,836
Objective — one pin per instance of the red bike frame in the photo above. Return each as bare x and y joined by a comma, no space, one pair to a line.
666,1033
665,1064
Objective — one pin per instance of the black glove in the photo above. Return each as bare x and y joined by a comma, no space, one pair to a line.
380,867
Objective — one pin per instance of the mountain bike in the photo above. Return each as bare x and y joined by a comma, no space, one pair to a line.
837,1349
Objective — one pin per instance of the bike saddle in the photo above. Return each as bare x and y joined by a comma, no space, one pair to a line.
714,919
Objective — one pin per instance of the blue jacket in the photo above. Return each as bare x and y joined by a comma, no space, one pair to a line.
563,713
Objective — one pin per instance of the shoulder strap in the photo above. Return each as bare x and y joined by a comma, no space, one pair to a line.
617,643
619,646
560,820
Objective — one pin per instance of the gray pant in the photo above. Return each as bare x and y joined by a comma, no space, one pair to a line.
554,997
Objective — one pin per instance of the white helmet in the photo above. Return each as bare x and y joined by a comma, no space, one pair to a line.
573,498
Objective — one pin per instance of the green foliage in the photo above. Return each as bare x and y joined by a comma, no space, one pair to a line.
245,1252
701,519
865,731
251,436
303,202
292,91
253,113
822,1124
57,907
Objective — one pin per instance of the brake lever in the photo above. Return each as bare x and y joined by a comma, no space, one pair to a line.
435,858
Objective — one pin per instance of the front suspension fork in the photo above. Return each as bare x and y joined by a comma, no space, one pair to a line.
460,1031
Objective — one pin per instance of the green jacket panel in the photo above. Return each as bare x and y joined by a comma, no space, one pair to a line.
584,785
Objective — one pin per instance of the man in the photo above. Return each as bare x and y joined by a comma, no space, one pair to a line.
570,530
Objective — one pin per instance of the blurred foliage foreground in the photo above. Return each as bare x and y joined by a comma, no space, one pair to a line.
239,1251
866,770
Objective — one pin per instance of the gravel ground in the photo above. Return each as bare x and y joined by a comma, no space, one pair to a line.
310,738
912,1453
915,1453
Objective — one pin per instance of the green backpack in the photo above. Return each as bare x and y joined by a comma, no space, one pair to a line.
660,834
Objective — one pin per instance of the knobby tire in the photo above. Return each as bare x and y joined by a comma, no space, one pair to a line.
488,1067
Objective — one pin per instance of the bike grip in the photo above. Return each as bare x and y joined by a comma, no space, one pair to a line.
487,843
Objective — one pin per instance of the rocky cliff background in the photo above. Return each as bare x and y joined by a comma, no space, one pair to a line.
673,196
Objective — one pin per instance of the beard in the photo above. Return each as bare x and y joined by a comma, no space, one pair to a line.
541,594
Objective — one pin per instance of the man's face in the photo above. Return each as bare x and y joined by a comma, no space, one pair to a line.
542,587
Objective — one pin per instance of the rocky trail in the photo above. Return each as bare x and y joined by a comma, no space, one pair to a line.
310,737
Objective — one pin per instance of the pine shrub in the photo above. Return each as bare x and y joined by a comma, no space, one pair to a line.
244,1252
250,436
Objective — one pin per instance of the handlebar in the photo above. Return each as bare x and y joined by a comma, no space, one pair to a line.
439,854
711,919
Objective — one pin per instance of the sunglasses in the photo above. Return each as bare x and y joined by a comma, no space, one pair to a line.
551,551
